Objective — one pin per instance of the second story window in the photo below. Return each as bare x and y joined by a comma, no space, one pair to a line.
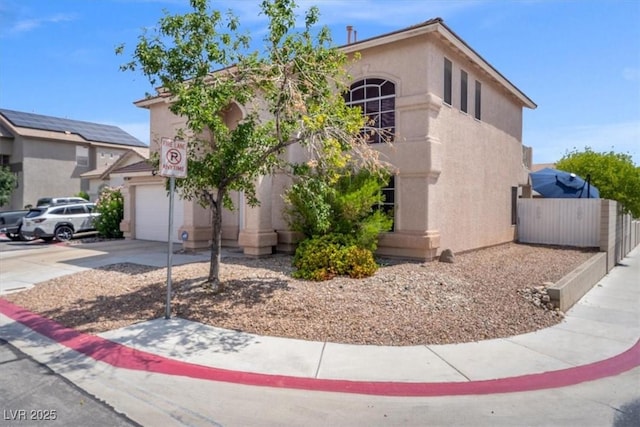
478,113
463,91
377,100
448,75
82,156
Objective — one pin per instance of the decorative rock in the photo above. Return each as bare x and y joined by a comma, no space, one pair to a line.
546,298
447,256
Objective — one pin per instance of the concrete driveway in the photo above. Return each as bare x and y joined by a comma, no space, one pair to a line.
23,264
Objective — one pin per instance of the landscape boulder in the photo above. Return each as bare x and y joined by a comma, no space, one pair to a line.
447,256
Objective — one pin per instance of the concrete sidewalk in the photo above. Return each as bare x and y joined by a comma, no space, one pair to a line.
598,339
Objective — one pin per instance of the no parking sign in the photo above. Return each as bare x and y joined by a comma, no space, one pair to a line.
173,158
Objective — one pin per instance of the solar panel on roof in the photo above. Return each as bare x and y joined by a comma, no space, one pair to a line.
89,131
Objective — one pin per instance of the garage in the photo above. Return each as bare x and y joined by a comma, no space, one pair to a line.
152,213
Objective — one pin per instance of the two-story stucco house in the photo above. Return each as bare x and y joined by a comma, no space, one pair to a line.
457,152
57,157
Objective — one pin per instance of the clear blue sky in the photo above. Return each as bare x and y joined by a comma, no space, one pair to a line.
578,60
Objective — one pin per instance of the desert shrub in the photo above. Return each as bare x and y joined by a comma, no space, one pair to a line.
308,208
110,205
344,202
358,262
324,257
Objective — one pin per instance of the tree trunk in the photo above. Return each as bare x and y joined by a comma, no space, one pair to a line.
216,248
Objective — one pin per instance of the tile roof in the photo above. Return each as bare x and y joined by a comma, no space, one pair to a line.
142,166
103,171
90,131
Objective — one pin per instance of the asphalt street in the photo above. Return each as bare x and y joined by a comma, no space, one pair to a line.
31,394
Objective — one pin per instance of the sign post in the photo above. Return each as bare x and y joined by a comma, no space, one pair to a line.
173,164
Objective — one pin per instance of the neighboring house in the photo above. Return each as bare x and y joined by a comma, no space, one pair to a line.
55,157
100,177
459,162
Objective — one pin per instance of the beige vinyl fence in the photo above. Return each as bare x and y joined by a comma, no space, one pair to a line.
592,223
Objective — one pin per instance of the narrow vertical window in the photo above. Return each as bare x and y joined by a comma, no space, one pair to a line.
447,80
389,203
478,100
514,205
463,91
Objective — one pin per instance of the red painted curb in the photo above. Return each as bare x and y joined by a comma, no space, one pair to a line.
120,356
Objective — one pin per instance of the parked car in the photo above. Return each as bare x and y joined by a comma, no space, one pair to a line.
61,222
51,201
11,223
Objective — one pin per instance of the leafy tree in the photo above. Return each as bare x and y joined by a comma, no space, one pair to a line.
614,174
289,93
7,185
110,205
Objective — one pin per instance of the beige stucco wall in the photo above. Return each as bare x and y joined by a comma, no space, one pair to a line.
197,220
96,184
163,124
454,173
50,170
102,155
481,160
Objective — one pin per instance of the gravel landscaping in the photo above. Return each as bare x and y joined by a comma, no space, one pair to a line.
489,293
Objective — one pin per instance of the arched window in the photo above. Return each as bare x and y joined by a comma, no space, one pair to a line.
377,100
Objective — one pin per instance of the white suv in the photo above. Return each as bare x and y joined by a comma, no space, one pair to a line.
51,201
61,222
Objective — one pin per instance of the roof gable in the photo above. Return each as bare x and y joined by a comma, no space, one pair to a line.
102,172
141,166
435,25
438,27
93,132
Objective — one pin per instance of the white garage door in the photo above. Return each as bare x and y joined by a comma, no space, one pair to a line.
152,213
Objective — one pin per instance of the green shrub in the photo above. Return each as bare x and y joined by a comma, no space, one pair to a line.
345,202
83,194
8,183
324,257
359,262
308,209
110,205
